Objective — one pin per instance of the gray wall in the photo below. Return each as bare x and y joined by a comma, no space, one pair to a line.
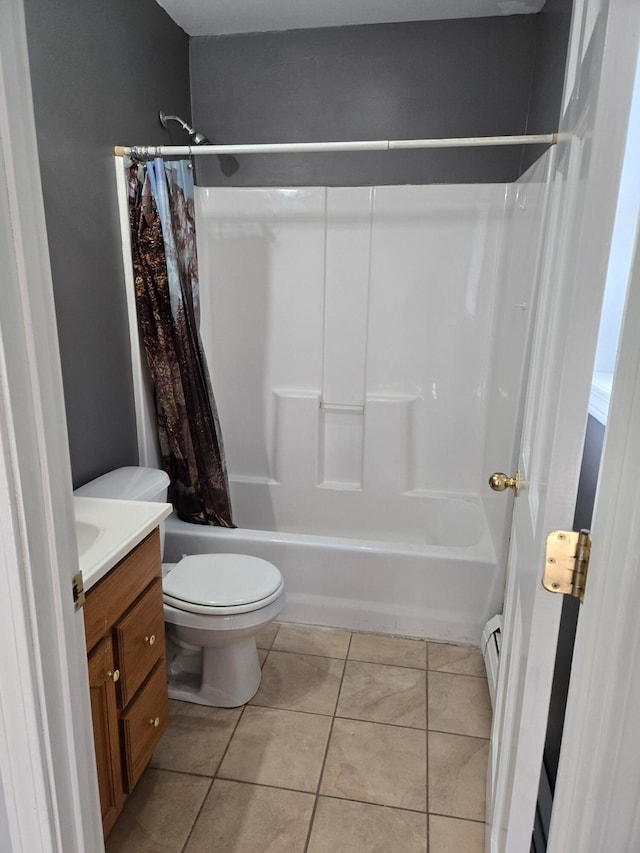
427,79
552,39
100,72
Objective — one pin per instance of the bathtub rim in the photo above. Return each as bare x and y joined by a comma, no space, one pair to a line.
482,550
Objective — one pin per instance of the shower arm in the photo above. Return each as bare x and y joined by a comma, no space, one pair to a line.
198,137
164,118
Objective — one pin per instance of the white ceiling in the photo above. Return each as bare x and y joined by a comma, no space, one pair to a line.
219,17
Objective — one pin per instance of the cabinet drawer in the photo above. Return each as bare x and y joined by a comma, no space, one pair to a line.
140,641
110,597
143,723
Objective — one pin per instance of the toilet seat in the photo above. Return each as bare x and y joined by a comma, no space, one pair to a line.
221,584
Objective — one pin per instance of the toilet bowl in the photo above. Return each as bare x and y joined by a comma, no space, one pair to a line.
214,605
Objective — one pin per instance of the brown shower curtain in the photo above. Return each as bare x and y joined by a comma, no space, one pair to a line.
166,285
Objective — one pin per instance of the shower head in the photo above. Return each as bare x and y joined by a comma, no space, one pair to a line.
228,164
196,137
199,139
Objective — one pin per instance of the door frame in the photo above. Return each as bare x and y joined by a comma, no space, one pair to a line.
48,786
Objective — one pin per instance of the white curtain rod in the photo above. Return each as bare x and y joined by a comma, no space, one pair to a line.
301,147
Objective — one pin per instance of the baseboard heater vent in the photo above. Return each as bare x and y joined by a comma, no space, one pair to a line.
491,642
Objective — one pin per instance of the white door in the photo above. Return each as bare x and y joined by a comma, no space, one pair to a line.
598,786
601,70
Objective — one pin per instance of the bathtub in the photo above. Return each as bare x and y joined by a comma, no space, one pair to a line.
439,582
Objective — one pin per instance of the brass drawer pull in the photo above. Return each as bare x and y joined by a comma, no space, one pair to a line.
115,675
151,640
155,722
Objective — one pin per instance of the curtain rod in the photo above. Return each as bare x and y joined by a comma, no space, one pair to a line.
364,145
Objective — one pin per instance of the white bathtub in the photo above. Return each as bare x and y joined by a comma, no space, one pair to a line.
442,584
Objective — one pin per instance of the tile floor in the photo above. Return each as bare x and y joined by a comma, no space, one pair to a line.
354,743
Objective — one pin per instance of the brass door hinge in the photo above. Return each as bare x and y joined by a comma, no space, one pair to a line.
567,562
78,591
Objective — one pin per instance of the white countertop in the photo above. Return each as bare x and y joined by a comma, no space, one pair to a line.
108,529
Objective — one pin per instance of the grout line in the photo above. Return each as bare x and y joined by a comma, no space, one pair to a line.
307,654
326,751
397,665
195,820
226,749
461,674
182,772
288,710
317,794
367,633
382,723
264,785
457,817
459,734
355,660
379,805
355,719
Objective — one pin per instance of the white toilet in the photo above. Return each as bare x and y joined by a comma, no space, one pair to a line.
214,605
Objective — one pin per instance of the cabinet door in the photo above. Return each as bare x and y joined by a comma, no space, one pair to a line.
104,712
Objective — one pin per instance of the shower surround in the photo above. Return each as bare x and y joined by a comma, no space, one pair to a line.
367,348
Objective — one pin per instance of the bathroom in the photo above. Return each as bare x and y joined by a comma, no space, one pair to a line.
129,67
507,79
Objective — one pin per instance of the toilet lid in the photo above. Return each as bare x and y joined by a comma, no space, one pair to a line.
222,580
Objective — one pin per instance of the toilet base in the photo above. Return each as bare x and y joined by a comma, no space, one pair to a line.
231,676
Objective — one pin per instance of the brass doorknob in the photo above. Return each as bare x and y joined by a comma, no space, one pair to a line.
150,640
499,482
115,675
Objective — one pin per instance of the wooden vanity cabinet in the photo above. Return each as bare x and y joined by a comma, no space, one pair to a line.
124,628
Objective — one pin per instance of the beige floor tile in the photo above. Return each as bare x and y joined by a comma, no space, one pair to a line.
384,694
262,656
300,683
159,813
375,763
309,640
196,738
463,660
450,835
459,704
265,638
340,826
457,775
280,748
240,818
378,648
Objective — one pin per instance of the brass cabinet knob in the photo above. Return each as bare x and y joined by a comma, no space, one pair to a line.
499,482
115,675
155,722
151,640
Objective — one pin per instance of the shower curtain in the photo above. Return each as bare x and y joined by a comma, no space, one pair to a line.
161,216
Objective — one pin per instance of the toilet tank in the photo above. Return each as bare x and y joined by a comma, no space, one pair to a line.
129,484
